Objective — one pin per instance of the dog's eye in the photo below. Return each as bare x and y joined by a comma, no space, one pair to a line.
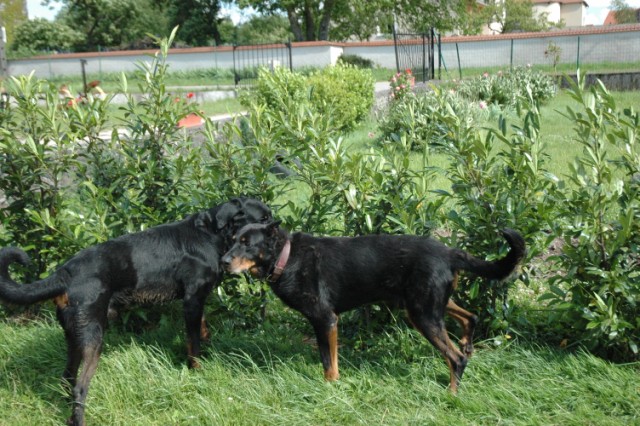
265,218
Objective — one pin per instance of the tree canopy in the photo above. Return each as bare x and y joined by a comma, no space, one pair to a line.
85,25
341,19
624,13
43,35
516,16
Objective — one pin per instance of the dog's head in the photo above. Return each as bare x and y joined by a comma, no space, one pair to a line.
226,219
253,250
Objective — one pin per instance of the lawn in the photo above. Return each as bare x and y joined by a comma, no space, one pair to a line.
270,375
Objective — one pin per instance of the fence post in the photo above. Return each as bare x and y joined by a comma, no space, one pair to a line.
439,56
83,63
4,67
424,57
511,59
578,55
289,47
395,43
459,66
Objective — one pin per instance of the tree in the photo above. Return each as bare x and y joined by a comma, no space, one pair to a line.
309,19
360,20
516,16
262,29
11,16
421,15
198,21
341,19
43,35
624,13
112,23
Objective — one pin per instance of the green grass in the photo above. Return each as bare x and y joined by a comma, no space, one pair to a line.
556,132
451,71
268,375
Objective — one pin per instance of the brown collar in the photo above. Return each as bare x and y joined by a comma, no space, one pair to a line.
282,261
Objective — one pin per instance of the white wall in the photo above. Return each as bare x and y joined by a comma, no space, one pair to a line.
596,44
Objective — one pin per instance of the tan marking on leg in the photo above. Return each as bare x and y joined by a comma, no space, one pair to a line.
193,361
332,373
204,331
465,319
61,301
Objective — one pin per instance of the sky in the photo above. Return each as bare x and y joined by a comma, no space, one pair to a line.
596,12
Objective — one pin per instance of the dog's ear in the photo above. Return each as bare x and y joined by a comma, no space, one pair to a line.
226,213
272,227
203,220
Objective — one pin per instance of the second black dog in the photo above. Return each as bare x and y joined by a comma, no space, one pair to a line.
174,261
323,277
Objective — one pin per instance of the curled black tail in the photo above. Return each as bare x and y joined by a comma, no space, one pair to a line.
496,270
27,294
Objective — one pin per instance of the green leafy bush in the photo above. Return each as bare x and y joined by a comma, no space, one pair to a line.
343,93
356,61
418,117
510,88
598,293
276,88
499,180
401,85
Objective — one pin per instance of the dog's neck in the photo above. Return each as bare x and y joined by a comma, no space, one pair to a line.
282,260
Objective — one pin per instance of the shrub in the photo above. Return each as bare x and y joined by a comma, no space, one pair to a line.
356,61
343,92
401,85
418,118
276,88
498,180
510,88
597,295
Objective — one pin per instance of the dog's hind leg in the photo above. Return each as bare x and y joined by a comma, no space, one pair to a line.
326,329
467,321
434,330
74,354
90,338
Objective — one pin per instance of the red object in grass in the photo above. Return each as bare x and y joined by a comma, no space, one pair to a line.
191,120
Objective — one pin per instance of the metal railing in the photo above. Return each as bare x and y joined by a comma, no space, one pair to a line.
247,60
415,52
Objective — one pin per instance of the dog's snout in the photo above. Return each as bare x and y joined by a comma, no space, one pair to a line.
226,260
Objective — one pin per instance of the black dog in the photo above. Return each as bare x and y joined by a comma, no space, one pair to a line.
174,261
323,277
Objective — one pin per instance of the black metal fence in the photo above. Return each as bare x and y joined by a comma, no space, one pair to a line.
247,60
415,52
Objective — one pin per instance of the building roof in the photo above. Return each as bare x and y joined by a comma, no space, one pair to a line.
611,17
560,1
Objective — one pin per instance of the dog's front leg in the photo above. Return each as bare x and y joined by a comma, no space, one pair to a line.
326,330
193,318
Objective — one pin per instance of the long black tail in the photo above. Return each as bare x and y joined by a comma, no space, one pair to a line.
27,294
496,270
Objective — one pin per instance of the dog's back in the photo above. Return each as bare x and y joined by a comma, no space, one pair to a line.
373,268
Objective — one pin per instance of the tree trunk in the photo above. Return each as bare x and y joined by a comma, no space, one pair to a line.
323,33
309,22
295,25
